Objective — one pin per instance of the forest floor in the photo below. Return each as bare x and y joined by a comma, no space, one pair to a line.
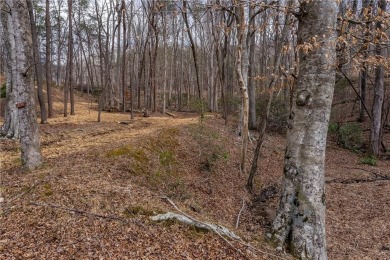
101,182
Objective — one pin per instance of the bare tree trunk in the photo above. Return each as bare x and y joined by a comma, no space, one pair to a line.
11,126
242,62
59,50
251,73
165,63
194,56
48,61
70,61
124,47
23,85
265,114
363,75
300,219
379,91
37,63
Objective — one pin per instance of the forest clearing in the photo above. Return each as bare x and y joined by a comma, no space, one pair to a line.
122,171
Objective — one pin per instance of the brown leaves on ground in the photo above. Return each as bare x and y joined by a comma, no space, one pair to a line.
101,182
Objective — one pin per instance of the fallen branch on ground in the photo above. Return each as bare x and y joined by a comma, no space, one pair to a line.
125,122
353,181
170,114
239,213
217,229
196,223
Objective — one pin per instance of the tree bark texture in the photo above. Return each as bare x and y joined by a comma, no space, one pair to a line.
22,84
242,63
300,219
10,127
379,91
37,63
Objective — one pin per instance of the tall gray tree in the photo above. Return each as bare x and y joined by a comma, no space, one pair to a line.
300,219
19,33
379,90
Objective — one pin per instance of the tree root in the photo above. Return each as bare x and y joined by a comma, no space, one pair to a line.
196,223
221,231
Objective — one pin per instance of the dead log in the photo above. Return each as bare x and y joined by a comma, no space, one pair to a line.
170,114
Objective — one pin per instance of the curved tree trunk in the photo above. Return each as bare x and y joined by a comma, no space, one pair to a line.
300,219
262,125
194,56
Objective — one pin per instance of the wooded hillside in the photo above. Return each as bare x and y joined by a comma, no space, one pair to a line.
265,117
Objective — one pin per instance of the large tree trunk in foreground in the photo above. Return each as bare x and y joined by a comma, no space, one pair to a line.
23,85
300,220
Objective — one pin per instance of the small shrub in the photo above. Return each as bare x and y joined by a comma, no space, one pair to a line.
350,136
369,160
232,103
167,158
333,131
333,128
199,105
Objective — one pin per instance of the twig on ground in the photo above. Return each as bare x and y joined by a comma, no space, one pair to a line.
239,213
76,211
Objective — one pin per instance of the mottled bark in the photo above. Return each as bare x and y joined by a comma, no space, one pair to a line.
379,91
10,127
22,84
363,75
242,63
300,220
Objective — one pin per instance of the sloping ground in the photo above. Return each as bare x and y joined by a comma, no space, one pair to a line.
101,182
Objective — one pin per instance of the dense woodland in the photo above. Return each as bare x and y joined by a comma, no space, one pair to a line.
313,72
